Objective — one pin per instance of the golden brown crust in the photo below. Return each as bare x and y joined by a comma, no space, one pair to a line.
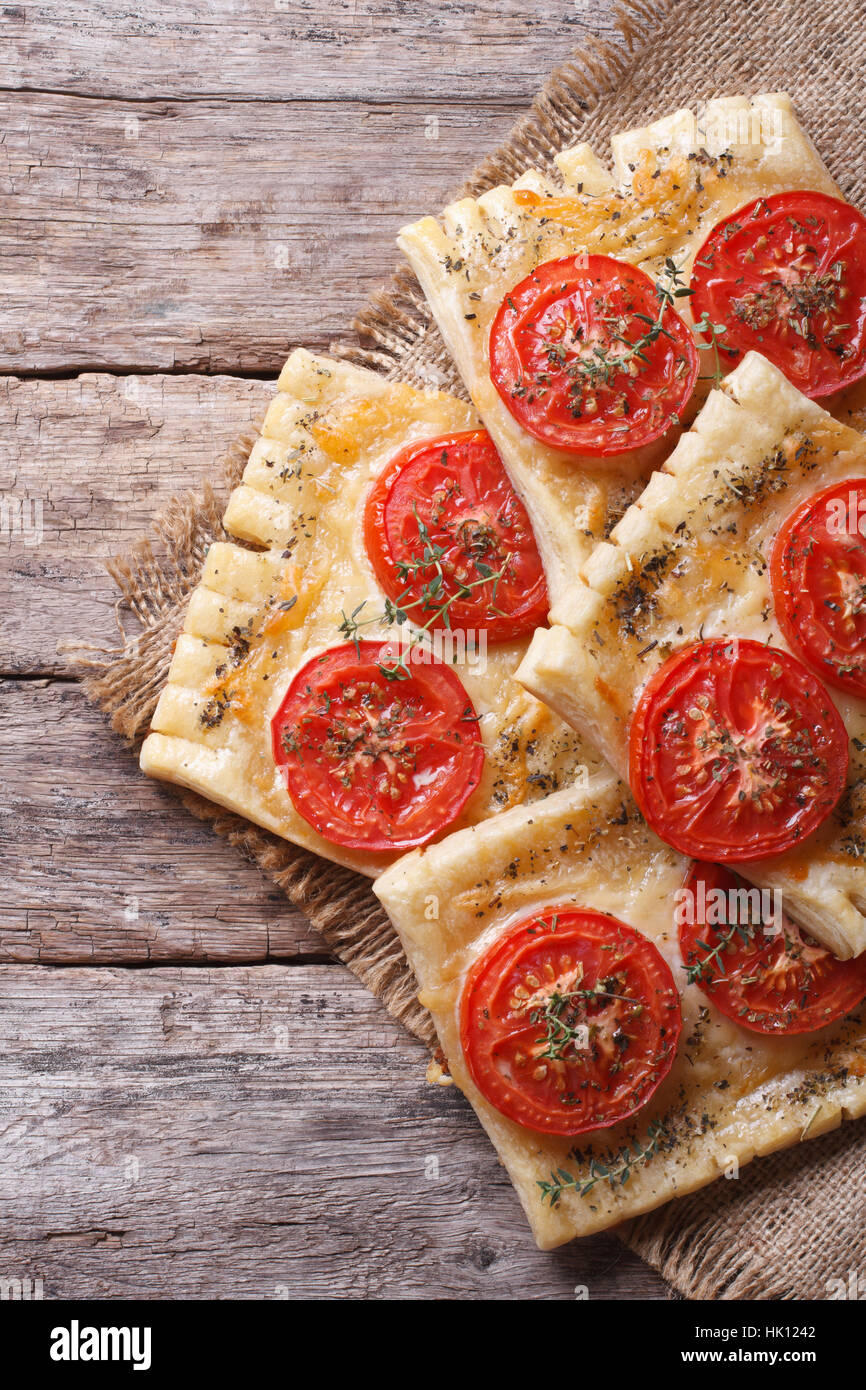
258,614
672,181
690,560
731,1094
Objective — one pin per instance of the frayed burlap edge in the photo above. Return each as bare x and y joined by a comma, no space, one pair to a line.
788,1226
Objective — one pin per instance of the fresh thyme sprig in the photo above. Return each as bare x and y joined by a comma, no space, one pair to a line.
398,612
713,331
617,1172
431,557
430,600
703,968
600,367
563,1030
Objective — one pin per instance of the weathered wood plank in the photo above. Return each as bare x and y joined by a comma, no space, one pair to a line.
84,466
261,1133
100,864
364,49
210,236
210,1132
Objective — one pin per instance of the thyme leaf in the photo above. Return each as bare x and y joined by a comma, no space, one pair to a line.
713,331
616,1171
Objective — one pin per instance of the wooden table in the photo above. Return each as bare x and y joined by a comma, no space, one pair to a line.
196,1100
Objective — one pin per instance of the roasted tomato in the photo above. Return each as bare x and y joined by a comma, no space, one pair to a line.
373,762
586,360
818,573
569,1021
450,541
786,275
758,967
736,751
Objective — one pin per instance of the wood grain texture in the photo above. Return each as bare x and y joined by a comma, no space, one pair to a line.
252,1133
209,236
103,864
195,187
88,463
471,50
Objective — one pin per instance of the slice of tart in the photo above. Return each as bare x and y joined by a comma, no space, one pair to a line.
565,303
612,1066
714,649
343,677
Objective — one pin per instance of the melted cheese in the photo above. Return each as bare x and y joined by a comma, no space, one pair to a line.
731,1094
672,182
257,615
690,560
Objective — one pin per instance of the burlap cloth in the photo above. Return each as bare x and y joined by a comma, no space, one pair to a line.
792,1223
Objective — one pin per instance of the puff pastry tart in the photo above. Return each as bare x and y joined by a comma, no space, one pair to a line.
614,1058
343,677
565,305
714,649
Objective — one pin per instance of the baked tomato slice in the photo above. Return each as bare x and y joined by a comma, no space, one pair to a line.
818,574
736,751
584,359
758,967
373,762
450,541
569,1021
786,275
